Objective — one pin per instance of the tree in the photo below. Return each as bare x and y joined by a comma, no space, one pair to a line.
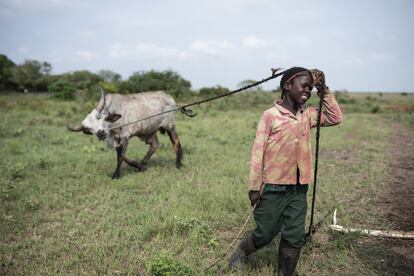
46,68
31,75
63,89
26,75
167,80
82,79
109,76
110,81
244,83
6,66
213,91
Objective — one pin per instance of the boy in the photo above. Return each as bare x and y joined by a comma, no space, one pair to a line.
282,162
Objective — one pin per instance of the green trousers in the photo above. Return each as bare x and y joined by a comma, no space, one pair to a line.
282,208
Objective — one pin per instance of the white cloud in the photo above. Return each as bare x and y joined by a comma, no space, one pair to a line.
86,55
212,47
254,42
144,51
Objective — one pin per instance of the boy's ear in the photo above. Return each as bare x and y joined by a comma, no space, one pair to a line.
112,117
287,85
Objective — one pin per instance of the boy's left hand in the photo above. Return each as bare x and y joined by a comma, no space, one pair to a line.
254,197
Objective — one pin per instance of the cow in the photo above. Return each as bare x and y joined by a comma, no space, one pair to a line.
117,110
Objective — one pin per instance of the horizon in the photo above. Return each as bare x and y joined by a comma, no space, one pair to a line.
216,42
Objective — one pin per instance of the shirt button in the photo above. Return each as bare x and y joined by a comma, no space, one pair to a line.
296,140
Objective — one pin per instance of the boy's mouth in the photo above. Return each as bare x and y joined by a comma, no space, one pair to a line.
305,96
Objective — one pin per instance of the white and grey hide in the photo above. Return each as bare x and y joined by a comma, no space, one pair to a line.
116,109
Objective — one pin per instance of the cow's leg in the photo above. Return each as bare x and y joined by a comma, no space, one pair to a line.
134,164
154,144
177,147
120,152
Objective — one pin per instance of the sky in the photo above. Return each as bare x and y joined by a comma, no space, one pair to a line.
361,45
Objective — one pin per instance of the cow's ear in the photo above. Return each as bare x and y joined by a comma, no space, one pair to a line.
112,117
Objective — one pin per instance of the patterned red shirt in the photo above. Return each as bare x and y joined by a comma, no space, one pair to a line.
283,143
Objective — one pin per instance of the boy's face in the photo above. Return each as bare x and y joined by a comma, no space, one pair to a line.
299,89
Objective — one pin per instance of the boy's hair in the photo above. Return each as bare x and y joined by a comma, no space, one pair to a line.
291,73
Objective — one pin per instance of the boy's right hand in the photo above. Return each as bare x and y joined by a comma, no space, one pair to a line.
254,197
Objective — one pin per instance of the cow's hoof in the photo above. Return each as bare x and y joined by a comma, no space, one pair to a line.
139,166
116,176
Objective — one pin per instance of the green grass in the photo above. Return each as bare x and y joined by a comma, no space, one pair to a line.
62,214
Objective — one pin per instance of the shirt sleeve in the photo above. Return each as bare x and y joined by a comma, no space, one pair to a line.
331,116
258,150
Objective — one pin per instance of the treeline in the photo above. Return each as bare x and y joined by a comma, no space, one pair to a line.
35,76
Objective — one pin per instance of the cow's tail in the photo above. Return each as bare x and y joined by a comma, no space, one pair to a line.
177,147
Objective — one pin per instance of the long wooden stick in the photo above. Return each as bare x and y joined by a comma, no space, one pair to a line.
375,233
315,175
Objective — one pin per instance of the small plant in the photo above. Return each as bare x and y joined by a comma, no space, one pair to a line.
16,171
89,149
18,132
185,225
163,265
44,164
200,232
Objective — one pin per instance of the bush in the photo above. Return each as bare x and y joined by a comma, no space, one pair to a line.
375,109
62,89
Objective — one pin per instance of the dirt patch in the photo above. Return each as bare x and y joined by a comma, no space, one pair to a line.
400,108
347,155
398,202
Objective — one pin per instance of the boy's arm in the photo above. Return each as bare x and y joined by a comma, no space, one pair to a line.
332,114
259,147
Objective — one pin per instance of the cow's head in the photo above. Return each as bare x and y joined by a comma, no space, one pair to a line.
98,121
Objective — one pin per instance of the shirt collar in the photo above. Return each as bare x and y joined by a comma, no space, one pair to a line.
278,105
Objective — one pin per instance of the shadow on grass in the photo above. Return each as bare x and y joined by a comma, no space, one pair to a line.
265,257
367,253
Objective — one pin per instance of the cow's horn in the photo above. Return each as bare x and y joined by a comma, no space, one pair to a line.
75,129
104,100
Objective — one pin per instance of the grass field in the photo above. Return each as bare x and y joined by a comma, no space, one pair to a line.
62,214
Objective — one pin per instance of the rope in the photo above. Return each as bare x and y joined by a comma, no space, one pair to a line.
189,112
240,231
235,239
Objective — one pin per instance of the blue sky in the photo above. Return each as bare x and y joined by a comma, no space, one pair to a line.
363,45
